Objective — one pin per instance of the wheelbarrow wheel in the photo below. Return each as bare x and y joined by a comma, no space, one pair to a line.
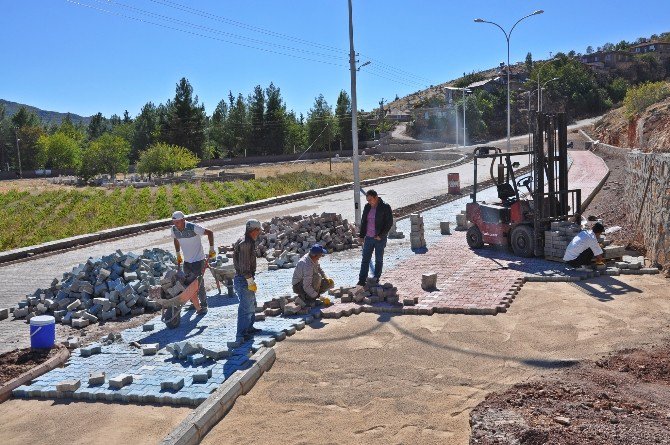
172,316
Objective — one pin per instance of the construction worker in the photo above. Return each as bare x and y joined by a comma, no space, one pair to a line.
186,236
376,221
584,247
309,281
244,260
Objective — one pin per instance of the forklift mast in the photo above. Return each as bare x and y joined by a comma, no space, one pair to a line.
552,200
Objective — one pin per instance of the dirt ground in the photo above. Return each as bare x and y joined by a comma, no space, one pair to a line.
382,379
70,422
16,362
621,399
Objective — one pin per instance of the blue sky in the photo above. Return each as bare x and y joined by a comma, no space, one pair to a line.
62,56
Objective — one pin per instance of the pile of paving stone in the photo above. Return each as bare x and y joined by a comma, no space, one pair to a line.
101,289
285,304
372,292
285,239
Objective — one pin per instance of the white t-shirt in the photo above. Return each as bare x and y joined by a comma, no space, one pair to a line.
190,242
585,239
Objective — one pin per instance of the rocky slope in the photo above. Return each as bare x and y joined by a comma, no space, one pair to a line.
649,131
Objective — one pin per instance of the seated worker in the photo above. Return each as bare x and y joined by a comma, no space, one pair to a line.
584,247
309,281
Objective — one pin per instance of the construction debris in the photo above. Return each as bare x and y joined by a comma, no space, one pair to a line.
416,236
101,289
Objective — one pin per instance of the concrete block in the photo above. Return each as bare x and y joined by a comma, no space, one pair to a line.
197,359
429,281
79,323
649,271
173,384
444,228
147,327
90,317
74,305
68,385
215,352
120,381
90,350
96,379
150,349
4,313
202,376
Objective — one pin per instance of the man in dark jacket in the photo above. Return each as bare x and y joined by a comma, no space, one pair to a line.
376,221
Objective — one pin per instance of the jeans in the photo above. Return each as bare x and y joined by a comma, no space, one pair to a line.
369,245
246,312
318,284
584,258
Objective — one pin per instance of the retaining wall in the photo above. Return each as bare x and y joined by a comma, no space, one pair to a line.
648,174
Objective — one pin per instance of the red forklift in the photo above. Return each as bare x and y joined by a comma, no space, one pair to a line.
518,220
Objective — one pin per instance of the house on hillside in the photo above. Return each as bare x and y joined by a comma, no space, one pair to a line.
607,60
660,49
398,115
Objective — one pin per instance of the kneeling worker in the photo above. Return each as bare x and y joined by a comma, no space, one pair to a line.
584,247
309,280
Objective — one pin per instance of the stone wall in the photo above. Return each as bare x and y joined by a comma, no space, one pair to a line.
654,224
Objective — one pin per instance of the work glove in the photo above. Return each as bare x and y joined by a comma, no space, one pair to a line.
330,282
212,253
599,262
325,301
179,259
251,285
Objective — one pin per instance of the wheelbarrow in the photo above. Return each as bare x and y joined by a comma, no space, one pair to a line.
171,307
224,274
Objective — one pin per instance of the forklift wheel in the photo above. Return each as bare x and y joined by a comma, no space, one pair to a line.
474,237
522,241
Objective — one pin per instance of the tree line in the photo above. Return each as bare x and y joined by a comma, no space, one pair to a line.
178,132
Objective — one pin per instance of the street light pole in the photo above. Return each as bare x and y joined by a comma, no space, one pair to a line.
507,37
544,85
18,155
354,120
539,76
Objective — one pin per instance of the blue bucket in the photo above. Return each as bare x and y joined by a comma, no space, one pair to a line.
42,332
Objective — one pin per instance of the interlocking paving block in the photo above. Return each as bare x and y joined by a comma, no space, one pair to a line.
173,384
147,327
96,379
90,350
197,359
649,270
150,348
202,376
68,385
4,313
215,352
120,381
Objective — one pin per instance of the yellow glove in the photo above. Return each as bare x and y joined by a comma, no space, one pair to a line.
212,253
325,301
251,285
599,262
330,282
179,259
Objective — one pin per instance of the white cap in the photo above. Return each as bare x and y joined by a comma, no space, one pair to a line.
253,224
178,215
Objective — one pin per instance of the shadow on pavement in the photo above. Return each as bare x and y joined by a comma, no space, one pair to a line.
605,288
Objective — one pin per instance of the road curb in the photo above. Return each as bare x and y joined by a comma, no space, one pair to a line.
53,362
134,229
196,425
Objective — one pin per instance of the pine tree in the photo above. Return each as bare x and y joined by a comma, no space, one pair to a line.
257,118
185,121
147,130
320,124
343,115
275,121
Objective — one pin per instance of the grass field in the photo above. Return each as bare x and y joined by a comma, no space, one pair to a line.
35,211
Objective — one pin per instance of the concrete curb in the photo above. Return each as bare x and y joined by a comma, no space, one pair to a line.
118,232
53,362
600,185
196,425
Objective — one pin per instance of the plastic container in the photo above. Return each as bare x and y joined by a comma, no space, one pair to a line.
42,332
453,183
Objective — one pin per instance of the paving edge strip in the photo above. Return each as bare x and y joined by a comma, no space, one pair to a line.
30,252
196,425
55,361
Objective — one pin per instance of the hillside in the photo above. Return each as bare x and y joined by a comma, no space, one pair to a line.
649,131
50,117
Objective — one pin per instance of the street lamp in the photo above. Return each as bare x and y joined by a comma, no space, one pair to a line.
465,91
539,76
541,89
18,154
507,37
354,120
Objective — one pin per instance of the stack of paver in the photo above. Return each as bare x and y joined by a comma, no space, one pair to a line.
372,292
284,304
416,235
557,239
101,289
394,233
461,221
285,239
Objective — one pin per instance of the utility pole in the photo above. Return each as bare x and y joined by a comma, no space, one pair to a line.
464,117
354,120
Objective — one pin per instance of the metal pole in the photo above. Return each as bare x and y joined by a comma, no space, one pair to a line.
18,154
463,117
509,144
354,120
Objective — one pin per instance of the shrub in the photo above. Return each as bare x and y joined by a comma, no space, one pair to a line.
640,97
162,158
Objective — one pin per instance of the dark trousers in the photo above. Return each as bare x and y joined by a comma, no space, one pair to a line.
194,271
583,259
369,245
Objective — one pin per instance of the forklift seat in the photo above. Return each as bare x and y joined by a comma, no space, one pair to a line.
506,192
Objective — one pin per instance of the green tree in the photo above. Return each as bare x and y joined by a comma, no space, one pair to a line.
529,62
58,151
642,96
256,135
163,158
616,89
97,126
25,118
28,136
218,130
147,130
238,123
320,124
185,121
110,154
69,129
343,116
295,133
275,120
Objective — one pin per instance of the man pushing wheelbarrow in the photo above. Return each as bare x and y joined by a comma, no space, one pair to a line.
186,237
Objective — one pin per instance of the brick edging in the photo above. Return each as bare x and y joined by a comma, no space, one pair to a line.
119,232
57,360
196,425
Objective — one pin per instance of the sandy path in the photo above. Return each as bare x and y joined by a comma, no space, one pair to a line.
414,379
